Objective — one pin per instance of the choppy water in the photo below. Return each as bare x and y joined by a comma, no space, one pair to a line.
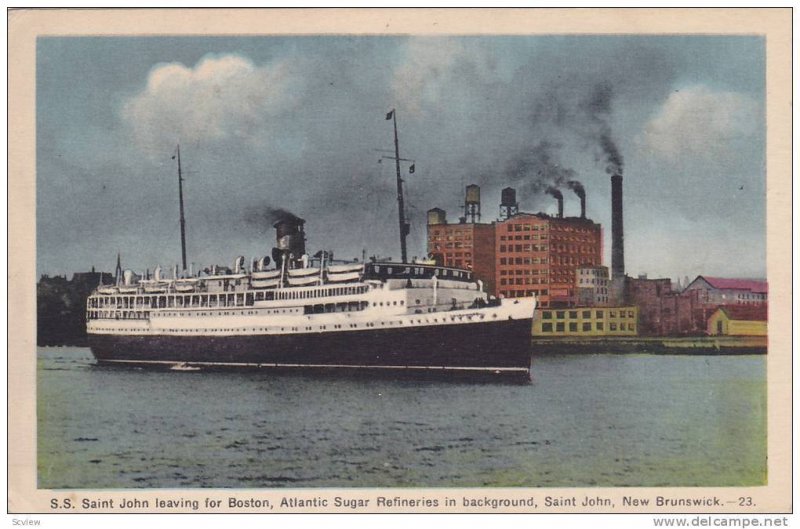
604,419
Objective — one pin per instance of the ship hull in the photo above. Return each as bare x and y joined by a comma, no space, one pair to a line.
501,347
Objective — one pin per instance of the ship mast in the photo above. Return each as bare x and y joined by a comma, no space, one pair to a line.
400,205
183,220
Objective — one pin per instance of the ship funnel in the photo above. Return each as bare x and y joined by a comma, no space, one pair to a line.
291,240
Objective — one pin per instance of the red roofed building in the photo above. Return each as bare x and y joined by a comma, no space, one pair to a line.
724,291
739,320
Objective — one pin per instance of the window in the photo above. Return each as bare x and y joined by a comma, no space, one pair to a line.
573,326
547,327
560,327
587,327
546,315
599,314
612,326
560,315
573,314
586,314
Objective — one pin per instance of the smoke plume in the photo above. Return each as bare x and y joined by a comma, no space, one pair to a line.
555,193
598,107
577,187
265,216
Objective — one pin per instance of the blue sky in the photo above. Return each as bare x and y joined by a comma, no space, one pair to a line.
294,123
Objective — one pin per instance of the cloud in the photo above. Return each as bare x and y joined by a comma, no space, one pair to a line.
223,97
438,70
701,122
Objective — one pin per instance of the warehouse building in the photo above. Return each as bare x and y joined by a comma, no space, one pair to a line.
738,320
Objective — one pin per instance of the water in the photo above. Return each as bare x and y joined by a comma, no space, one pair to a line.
589,420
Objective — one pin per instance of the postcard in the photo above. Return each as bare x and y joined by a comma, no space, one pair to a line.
400,261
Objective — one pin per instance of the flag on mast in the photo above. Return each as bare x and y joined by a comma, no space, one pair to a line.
412,168
390,114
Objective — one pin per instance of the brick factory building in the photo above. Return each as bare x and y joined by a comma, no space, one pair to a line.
523,255
537,254
463,245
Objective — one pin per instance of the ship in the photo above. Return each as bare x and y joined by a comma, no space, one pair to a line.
311,312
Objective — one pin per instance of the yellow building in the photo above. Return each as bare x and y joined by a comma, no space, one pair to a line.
586,321
738,320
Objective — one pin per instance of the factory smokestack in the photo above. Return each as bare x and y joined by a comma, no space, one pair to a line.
617,233
577,187
558,196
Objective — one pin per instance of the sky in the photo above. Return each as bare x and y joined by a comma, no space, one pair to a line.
298,123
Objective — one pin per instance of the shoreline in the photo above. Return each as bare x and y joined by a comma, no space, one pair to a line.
692,345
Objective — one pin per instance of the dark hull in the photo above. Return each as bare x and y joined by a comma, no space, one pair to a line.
502,346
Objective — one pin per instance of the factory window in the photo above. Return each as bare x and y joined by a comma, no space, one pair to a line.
546,315
510,227
586,327
599,326
547,327
599,314
630,314
612,314
573,314
612,326
560,314
502,247
503,281
560,327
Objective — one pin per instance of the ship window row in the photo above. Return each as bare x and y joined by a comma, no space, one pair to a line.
305,294
335,307
214,300
172,300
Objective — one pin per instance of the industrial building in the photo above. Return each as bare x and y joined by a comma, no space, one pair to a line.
614,321
537,254
592,284
724,291
738,320
522,254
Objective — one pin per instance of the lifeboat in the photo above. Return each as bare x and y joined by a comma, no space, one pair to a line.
265,283
343,268
266,274
344,277
304,281
107,290
303,272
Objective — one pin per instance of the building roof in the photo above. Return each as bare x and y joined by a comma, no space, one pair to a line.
722,283
745,312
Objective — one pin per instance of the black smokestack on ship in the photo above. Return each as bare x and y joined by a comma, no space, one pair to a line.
291,240
617,233
558,196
